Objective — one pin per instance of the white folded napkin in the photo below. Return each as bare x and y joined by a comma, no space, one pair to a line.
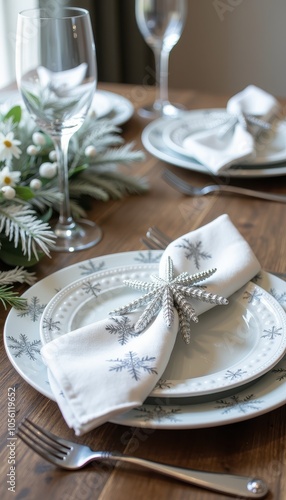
255,102
249,111
217,151
94,377
62,82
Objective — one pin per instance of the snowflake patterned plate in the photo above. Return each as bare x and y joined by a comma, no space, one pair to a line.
267,163
176,133
22,343
230,346
91,299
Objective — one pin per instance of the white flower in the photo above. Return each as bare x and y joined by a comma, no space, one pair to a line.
48,170
9,178
8,192
90,151
9,146
35,184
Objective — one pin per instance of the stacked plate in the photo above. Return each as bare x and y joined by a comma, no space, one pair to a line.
105,105
166,140
233,369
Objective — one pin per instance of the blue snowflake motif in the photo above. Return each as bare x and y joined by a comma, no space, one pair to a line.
234,375
158,413
51,325
133,364
257,278
33,309
272,333
238,404
23,346
163,384
282,373
123,328
89,288
280,297
251,297
91,268
148,257
194,251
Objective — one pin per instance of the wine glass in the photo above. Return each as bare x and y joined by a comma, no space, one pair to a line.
161,23
56,74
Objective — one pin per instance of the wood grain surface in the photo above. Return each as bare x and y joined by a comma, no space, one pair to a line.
252,447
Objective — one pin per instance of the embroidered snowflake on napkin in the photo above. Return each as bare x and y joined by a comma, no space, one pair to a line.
170,292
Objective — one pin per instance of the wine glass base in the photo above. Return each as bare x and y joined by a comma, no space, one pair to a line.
169,110
76,236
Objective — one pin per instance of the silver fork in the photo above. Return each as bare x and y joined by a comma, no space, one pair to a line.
156,239
72,456
186,188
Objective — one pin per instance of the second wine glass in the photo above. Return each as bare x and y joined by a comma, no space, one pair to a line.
161,23
57,75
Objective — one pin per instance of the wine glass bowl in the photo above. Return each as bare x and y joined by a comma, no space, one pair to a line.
56,74
161,23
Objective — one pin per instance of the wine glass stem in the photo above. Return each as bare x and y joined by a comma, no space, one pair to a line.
162,73
61,144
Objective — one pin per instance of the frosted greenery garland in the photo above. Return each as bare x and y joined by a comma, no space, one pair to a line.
29,186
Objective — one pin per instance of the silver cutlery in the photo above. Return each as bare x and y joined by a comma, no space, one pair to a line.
157,240
186,188
72,456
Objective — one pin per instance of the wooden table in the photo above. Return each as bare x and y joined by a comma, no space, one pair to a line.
251,447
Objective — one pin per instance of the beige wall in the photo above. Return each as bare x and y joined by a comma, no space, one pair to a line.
8,23
228,44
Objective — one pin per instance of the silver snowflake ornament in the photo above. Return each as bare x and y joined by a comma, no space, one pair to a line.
168,293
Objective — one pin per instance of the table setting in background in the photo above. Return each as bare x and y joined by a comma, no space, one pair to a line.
105,104
235,142
169,350
244,140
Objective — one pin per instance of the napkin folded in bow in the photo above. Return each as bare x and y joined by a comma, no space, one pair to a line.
219,148
94,377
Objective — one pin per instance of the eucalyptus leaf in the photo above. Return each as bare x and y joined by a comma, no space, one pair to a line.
32,98
77,170
15,113
24,192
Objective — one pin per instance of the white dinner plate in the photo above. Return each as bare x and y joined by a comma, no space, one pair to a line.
22,343
152,139
105,105
230,346
121,108
270,149
101,105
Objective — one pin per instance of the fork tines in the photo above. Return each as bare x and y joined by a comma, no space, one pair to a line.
42,442
158,237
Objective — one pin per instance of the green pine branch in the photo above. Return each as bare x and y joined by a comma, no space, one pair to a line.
10,298
22,226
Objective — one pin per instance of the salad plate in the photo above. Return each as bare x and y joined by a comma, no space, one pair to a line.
152,139
23,343
230,346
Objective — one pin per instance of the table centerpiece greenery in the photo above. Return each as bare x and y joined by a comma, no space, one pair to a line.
29,190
